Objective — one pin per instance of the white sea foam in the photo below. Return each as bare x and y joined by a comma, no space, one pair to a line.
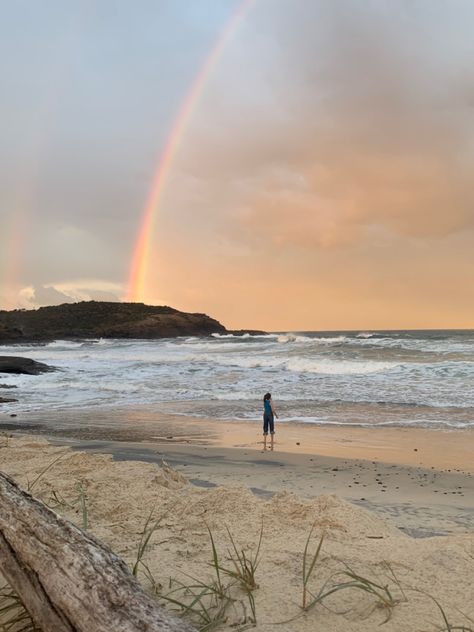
293,364
343,367
64,344
314,340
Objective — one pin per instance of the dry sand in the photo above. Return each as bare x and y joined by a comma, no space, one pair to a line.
120,495
422,480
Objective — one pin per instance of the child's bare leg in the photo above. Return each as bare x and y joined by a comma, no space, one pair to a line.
264,442
271,441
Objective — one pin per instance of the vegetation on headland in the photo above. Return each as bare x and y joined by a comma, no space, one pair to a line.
100,319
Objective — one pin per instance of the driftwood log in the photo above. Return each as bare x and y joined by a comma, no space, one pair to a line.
68,580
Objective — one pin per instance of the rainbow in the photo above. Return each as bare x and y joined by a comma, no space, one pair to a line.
138,268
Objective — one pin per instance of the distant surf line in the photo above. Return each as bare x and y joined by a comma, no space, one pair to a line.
141,251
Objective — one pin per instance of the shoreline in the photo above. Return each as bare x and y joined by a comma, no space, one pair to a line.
438,448
420,480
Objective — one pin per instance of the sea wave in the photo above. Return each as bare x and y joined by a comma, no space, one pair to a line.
382,377
64,344
285,338
292,364
419,423
338,367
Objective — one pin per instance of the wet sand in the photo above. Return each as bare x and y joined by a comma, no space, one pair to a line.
439,448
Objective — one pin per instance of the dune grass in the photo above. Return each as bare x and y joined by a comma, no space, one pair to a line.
308,568
30,485
209,602
447,625
56,501
206,602
13,616
83,504
341,580
148,530
244,565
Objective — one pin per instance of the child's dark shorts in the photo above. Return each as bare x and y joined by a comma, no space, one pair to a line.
268,423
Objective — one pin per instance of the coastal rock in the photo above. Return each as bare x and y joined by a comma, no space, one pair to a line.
7,400
99,319
13,364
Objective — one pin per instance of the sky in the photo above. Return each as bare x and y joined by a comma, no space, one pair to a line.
322,180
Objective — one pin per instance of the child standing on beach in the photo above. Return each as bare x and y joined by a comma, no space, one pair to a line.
269,413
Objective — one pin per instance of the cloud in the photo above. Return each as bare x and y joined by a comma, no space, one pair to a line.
325,179
32,297
42,295
360,122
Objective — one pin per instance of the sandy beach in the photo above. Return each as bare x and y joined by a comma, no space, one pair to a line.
425,490
395,505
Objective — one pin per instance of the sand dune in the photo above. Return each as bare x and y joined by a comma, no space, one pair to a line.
120,496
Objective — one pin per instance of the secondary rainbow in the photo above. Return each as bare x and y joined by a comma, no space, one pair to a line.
10,270
141,252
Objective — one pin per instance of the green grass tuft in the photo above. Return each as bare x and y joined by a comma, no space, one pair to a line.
31,485
148,530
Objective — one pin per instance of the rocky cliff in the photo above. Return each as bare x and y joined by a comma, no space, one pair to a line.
96,319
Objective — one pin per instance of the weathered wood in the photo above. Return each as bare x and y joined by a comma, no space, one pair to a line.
68,580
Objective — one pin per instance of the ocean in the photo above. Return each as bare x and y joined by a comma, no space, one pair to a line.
395,378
